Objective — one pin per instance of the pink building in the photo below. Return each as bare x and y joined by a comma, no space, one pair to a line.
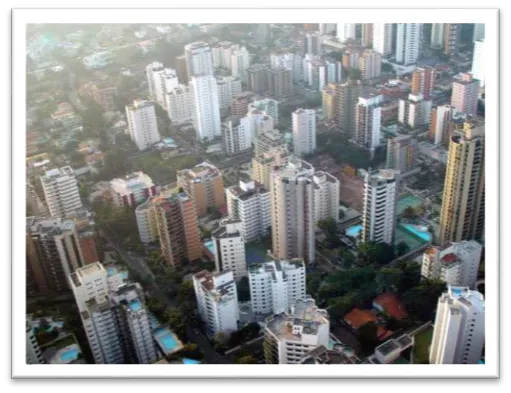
465,93
132,189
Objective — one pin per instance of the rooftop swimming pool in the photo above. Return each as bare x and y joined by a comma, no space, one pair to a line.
135,305
210,246
418,230
111,271
354,230
68,355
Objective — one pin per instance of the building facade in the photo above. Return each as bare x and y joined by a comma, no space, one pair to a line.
229,246
61,192
415,111
132,189
383,38
401,153
368,121
408,42
304,131
439,125
206,118
199,59
465,94
236,135
478,61
180,105
423,81
142,123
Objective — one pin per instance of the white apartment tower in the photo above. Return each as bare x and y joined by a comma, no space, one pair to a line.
227,86
478,61
143,127
292,209
249,202
160,81
207,111
459,333
456,264
326,196
439,124
179,104
275,286
61,191
478,32
199,60
222,52
217,301
304,131
408,42
327,28
289,336
240,61
382,38
415,111
368,121
437,35
114,317
268,106
379,212
229,246
465,94
236,134
346,31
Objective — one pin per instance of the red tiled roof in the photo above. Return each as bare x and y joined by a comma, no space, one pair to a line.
392,305
383,334
449,258
357,318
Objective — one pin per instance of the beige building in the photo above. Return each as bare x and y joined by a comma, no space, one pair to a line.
263,164
205,186
465,93
347,95
328,96
369,64
178,228
462,216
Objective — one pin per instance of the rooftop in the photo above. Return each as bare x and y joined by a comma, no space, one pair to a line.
357,318
392,305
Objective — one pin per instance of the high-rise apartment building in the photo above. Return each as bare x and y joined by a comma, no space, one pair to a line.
146,221
304,131
249,202
367,35
401,153
292,209
312,43
415,111
289,336
236,134
222,52
114,317
346,99
280,82
181,70
326,196
456,264
383,38
268,106
178,228
240,61
329,100
269,140
217,301
327,28
439,124
380,200
458,337
452,33
257,78
104,94
465,94
61,191
369,64
478,61
180,105
160,81
275,286
142,123
229,248
53,253
368,121
206,117
261,122
478,32
33,351
199,59
204,184
437,35
462,215
346,31
263,33
132,189
423,81
408,42
228,87
240,103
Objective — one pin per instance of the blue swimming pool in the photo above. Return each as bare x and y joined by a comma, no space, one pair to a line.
167,339
190,361
419,231
111,270
69,355
135,305
354,230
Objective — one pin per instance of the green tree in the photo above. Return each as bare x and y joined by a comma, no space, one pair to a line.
410,213
248,359
313,283
368,337
421,301
340,306
243,288
176,320
388,279
402,248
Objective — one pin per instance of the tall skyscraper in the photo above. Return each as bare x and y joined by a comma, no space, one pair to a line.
160,81
263,164
240,61
465,94
415,111
382,38
326,196
199,60
280,82
368,121
327,28
142,123
346,31
228,87
478,61
268,106
462,215
437,35
456,264
459,333
146,221
179,104
401,153
53,253
408,42
276,286
206,118
221,53
478,32
229,246
178,228
204,184
289,336
452,32
269,140
423,81
380,200
439,124
346,97
367,35
217,301
61,191
114,317
236,134
293,207
304,131
312,43
257,78
369,64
